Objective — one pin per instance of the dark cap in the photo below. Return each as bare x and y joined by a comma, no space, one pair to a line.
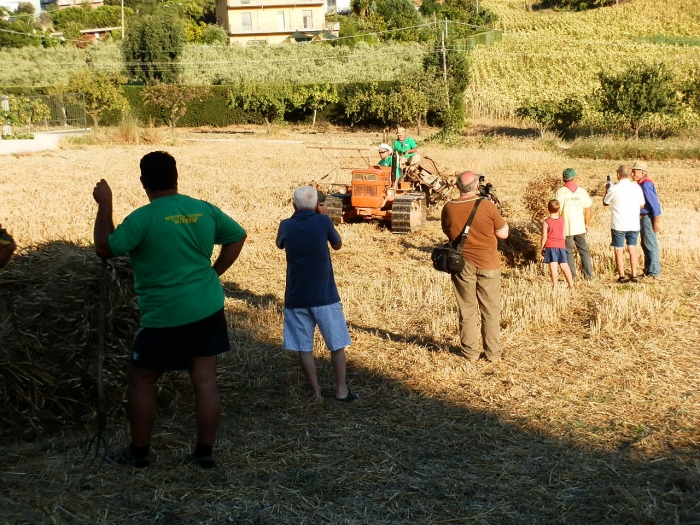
321,196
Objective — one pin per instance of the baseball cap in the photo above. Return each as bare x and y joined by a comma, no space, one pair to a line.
385,146
569,174
321,196
641,166
401,131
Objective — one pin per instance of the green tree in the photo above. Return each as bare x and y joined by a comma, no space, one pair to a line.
453,75
271,101
637,92
364,104
101,92
153,47
26,8
406,103
14,35
549,114
399,14
691,92
172,99
318,96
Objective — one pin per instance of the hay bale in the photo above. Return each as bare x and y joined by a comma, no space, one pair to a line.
49,308
538,193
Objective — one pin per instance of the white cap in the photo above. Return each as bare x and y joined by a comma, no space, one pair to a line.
385,146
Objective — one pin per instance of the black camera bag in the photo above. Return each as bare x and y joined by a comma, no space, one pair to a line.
448,258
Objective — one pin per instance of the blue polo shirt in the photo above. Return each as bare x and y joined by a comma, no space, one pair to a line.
310,281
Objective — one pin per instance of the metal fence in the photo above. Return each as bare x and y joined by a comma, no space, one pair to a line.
61,113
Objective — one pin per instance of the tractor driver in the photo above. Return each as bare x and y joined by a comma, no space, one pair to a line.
385,152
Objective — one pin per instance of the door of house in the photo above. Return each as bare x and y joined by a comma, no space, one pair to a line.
280,18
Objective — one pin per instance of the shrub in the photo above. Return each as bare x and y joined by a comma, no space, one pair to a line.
548,114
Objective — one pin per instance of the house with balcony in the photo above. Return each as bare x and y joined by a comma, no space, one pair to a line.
273,21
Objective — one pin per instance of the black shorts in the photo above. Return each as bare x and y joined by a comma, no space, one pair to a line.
174,348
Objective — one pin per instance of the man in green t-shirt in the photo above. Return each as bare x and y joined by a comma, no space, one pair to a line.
170,243
405,146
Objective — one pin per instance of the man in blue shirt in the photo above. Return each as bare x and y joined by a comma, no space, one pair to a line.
311,297
649,220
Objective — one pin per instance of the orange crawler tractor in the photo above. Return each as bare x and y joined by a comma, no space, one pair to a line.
374,194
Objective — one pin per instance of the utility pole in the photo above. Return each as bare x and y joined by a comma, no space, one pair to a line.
122,19
444,66
477,7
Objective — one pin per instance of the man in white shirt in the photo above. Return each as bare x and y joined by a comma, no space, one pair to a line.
625,198
576,209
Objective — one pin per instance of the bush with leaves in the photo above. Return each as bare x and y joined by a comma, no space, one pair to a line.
270,101
153,47
172,99
638,92
399,14
101,92
549,114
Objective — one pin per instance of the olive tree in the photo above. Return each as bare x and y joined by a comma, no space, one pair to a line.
172,99
637,92
101,91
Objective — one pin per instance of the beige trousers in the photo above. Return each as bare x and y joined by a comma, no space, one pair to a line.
483,287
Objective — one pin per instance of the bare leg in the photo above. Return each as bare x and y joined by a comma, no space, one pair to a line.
554,273
339,363
206,398
567,274
634,262
308,366
141,394
620,261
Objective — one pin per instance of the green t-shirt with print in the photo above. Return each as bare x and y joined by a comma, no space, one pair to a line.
170,243
403,146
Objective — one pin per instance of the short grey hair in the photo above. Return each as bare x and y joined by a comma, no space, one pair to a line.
624,171
305,198
467,188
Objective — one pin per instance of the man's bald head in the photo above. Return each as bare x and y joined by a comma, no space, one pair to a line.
467,182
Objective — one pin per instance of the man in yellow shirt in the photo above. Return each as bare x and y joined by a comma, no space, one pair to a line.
576,209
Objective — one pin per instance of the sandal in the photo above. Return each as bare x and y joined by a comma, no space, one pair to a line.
622,280
349,398
126,458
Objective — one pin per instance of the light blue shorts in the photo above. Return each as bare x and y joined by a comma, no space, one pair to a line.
300,323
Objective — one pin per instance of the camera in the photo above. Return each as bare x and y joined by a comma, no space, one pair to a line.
484,189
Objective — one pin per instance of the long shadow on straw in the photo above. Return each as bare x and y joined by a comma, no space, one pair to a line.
410,450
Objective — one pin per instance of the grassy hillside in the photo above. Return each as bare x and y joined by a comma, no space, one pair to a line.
550,54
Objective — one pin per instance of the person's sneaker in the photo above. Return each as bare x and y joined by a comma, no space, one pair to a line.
126,458
633,280
205,462
621,280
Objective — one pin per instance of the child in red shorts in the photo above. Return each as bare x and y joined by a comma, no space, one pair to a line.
554,244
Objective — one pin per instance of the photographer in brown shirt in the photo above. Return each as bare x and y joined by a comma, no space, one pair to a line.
480,280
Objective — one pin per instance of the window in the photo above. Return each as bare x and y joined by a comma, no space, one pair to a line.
280,18
245,1
246,22
332,5
308,19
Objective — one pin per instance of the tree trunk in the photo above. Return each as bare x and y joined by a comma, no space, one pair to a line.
268,124
313,122
418,123
94,119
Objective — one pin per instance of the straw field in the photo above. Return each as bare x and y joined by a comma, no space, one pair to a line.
591,417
